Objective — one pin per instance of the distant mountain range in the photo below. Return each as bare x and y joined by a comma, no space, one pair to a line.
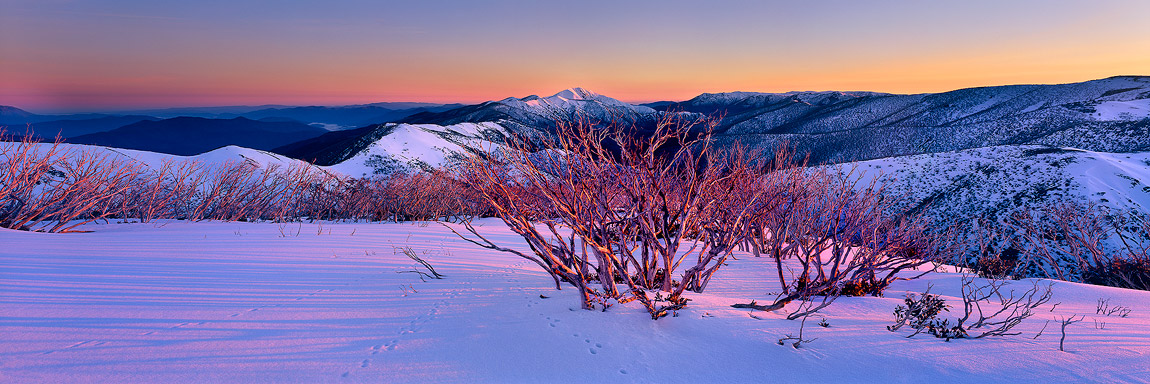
834,127
194,135
190,131
979,151
528,115
985,149
227,112
17,121
1102,115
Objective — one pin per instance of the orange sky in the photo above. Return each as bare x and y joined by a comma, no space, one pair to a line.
58,55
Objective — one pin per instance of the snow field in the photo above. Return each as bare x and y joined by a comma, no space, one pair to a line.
255,302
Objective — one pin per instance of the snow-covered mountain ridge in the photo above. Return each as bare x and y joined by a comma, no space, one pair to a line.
1101,115
1110,115
993,181
966,152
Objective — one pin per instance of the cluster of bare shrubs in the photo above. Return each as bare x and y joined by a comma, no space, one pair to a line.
625,217
52,188
830,236
398,197
55,191
1069,241
616,215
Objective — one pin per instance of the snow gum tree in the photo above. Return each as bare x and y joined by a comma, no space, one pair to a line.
619,214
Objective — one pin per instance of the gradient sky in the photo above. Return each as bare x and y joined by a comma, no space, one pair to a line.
59,55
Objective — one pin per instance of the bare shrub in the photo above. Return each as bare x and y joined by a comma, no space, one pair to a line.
158,194
987,310
921,312
609,208
992,312
86,192
1106,309
422,196
24,168
799,339
1063,239
1065,322
1000,266
1129,267
830,236
411,254
995,256
1085,243
54,190
238,191
1122,273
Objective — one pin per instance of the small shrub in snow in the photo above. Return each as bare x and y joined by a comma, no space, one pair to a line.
1106,309
987,310
411,254
1065,323
996,266
920,313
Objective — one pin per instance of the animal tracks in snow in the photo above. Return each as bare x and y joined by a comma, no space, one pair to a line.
413,326
82,344
593,347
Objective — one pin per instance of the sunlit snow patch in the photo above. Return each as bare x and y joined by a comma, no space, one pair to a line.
1123,110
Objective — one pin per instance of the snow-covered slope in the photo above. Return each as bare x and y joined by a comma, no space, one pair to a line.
405,148
1123,110
434,139
535,112
993,181
417,146
1111,115
760,99
575,102
219,156
176,302
1103,115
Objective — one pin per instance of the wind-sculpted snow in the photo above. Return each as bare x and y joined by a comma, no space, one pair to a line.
177,302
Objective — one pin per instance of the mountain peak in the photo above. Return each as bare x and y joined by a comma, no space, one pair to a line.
576,94
9,111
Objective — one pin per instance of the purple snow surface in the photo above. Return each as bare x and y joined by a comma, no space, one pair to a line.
244,302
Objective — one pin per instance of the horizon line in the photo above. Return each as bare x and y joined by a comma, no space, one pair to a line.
115,110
